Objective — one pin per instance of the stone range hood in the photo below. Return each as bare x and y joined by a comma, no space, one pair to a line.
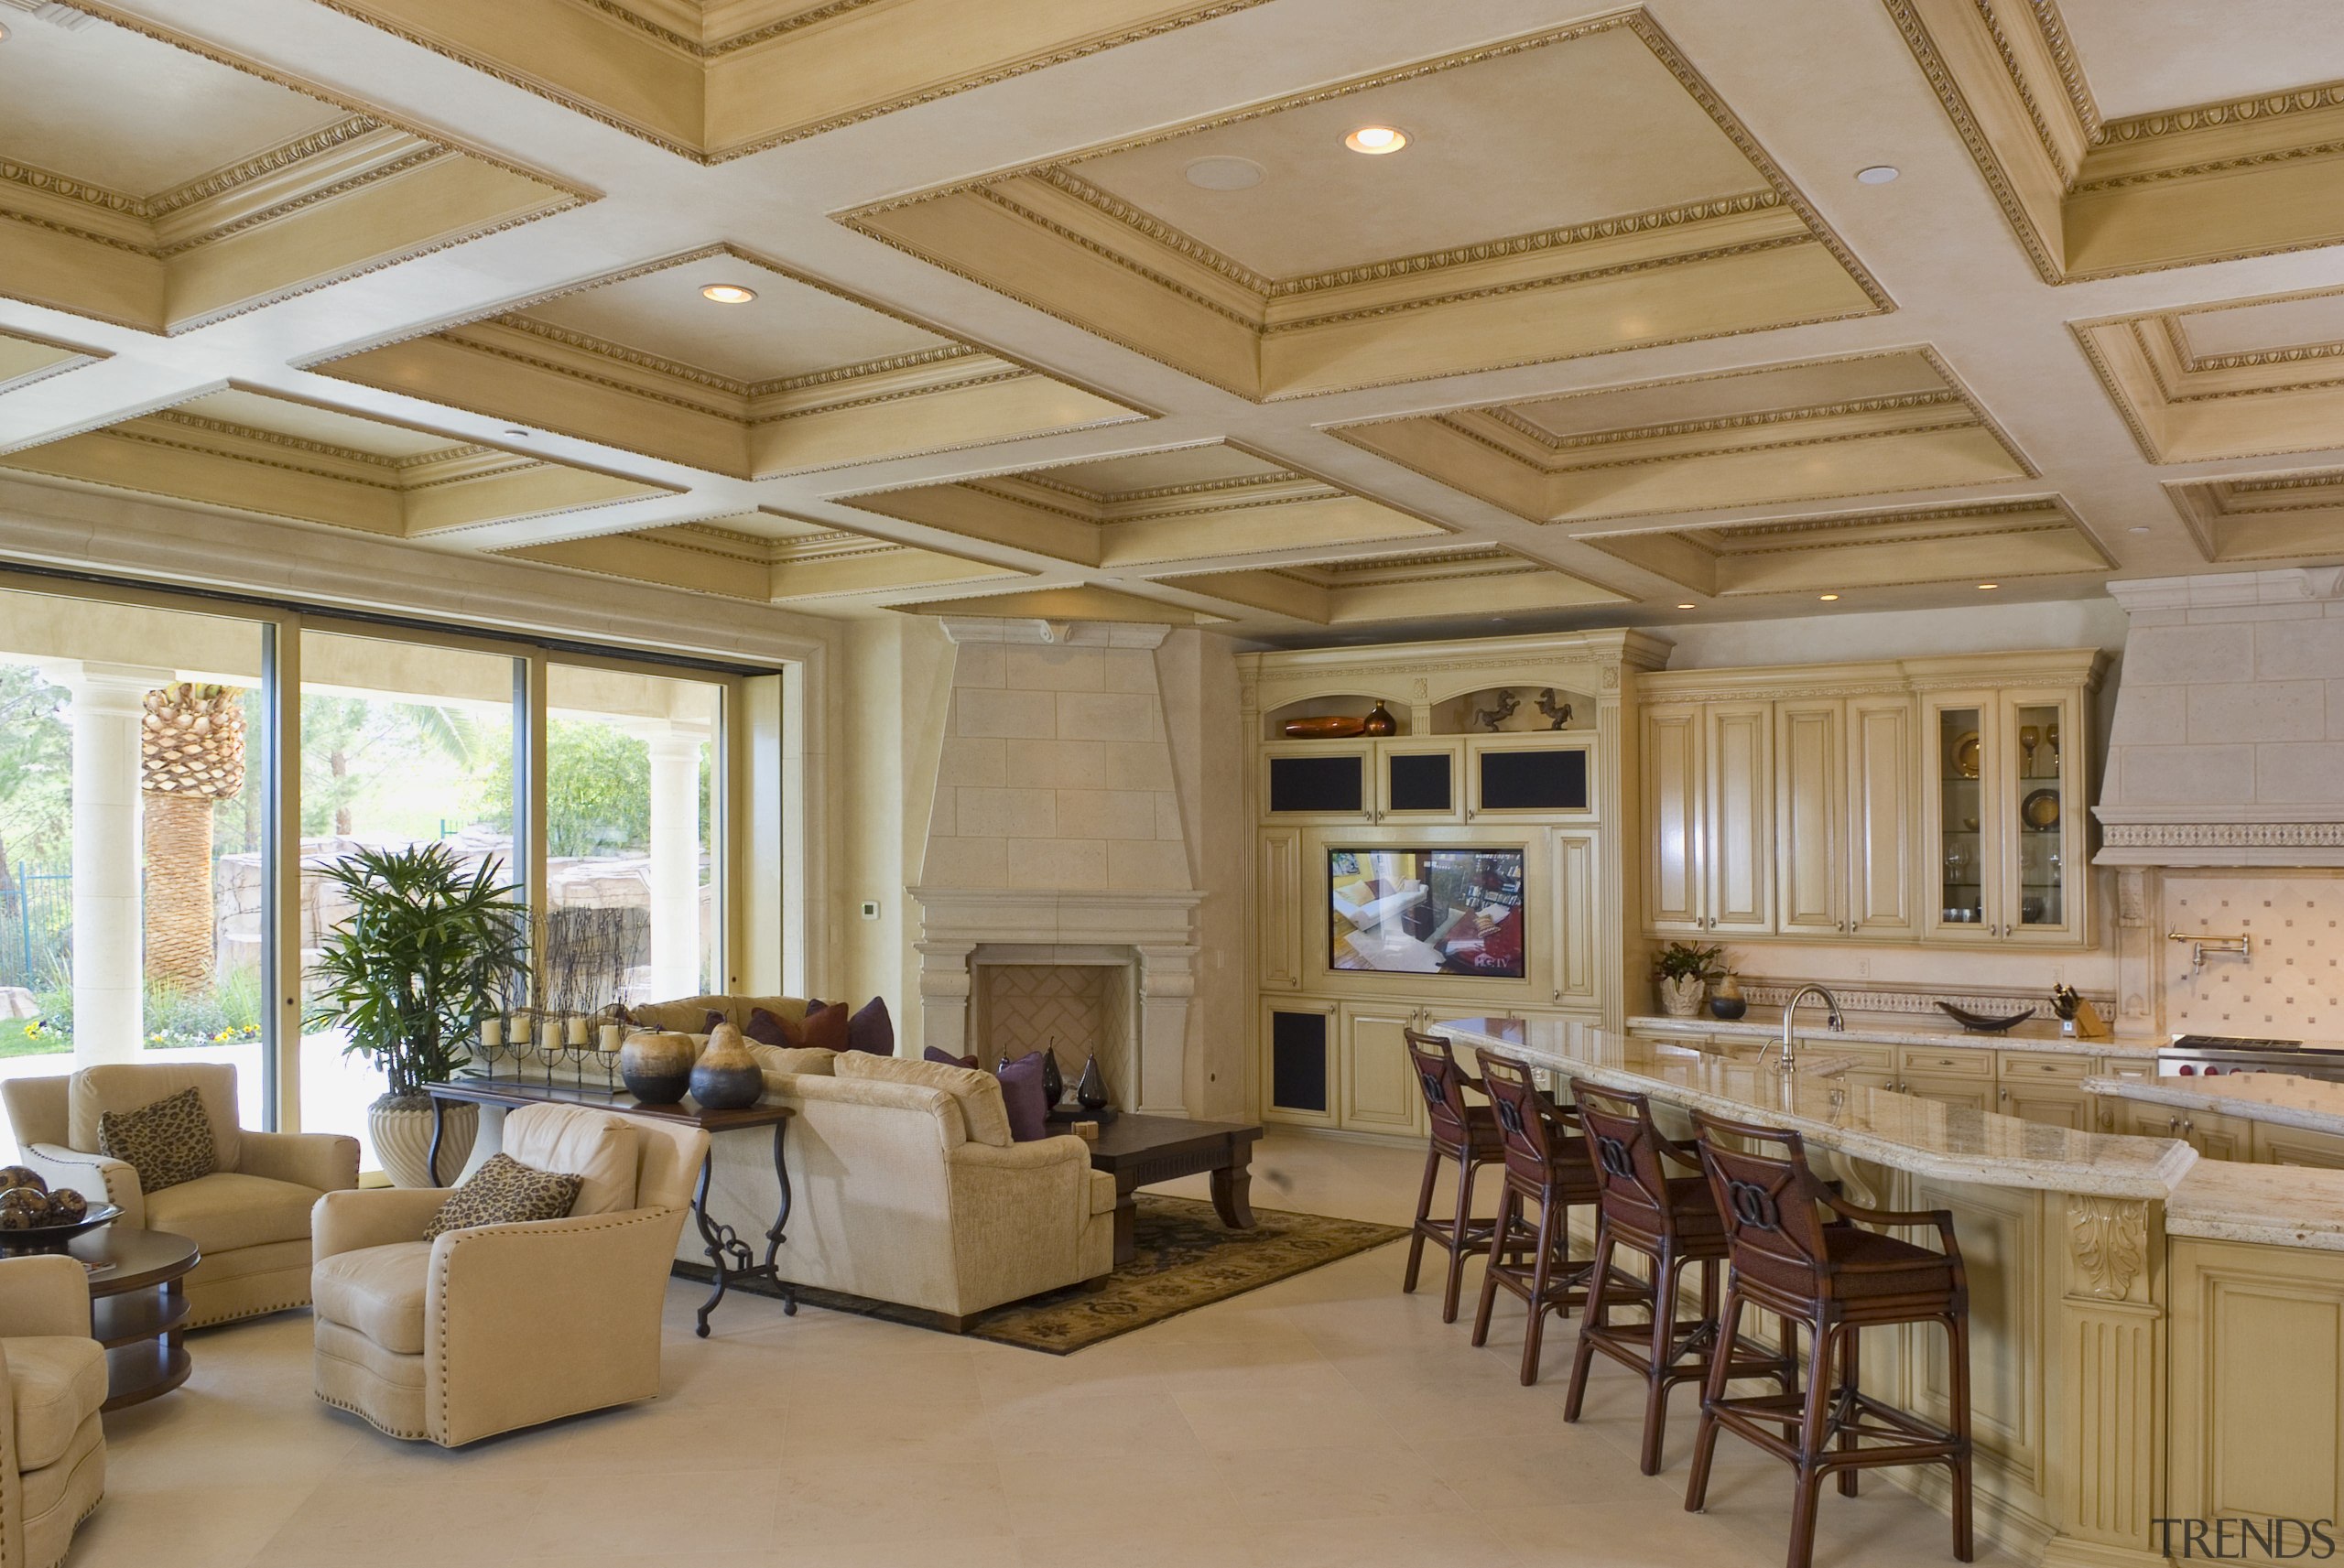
2227,745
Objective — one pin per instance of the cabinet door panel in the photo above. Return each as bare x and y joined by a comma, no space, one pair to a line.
1969,1093
1300,1044
1811,786
2277,1145
1380,1093
2050,1104
1739,826
1673,806
1883,764
1576,913
1278,908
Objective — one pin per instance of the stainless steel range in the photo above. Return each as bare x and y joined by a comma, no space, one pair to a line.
2210,1055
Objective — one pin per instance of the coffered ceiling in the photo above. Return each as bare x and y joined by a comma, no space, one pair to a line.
1092,311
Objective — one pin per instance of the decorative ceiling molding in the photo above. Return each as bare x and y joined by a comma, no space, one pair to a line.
2091,196
2183,406
1050,234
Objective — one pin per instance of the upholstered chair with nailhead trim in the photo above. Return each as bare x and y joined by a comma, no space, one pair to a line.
460,1336
52,1446
249,1217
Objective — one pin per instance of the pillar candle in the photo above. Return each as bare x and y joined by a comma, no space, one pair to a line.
609,1035
492,1032
577,1031
521,1028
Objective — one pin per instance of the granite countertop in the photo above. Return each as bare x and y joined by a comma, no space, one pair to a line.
1902,1132
1763,1023
2277,1205
2314,1105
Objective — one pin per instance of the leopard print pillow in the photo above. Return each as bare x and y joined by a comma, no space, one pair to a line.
503,1191
167,1142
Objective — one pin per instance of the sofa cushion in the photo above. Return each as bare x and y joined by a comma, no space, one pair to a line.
870,1029
228,1210
55,1382
794,1059
1023,1096
825,1028
167,1142
983,1117
504,1192
946,1057
601,1150
686,1015
126,1085
765,1028
378,1290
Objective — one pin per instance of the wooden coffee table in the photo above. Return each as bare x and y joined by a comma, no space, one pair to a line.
138,1309
1140,1151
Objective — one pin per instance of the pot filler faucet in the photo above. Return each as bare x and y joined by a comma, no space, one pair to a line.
1789,1058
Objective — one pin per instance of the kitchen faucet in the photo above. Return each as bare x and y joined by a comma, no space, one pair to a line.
1789,1058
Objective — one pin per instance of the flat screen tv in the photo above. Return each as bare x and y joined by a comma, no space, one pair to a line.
1426,911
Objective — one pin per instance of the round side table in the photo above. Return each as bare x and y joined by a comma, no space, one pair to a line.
138,1308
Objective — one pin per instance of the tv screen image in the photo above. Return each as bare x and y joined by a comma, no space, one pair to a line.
1426,911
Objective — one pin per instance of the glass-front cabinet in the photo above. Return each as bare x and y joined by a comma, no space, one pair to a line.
2006,802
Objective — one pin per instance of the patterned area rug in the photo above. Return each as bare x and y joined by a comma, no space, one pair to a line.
1186,1260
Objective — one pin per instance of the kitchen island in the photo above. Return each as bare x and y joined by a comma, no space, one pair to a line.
2064,1231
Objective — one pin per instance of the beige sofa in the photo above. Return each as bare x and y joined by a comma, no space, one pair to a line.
906,1184
52,1448
249,1217
499,1326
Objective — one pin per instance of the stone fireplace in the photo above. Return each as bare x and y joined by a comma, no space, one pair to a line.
1056,896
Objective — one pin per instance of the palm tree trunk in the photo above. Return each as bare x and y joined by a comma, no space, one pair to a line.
179,891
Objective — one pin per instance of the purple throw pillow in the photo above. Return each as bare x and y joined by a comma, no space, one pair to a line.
1023,1095
871,1030
946,1057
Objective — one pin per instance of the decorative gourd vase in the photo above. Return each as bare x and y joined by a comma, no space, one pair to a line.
1680,995
657,1065
726,1077
1090,1089
1380,722
1727,1003
1053,1081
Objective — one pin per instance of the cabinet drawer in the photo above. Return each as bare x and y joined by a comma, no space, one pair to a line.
1947,1063
2045,1067
1863,1054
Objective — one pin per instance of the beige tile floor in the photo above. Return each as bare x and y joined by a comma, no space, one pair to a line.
1326,1421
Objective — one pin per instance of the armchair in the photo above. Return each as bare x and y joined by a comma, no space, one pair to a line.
52,1448
249,1217
483,1330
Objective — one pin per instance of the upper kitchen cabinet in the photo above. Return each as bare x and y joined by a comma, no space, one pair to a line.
1937,800
2008,796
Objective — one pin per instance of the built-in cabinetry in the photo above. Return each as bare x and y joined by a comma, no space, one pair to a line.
2034,1085
1498,747
1935,800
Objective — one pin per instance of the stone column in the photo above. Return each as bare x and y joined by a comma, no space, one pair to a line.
109,997
675,859
1168,981
945,986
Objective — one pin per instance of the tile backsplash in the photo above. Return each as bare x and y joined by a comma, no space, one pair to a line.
2291,985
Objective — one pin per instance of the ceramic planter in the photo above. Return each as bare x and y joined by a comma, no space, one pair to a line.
726,1077
657,1067
1681,997
399,1127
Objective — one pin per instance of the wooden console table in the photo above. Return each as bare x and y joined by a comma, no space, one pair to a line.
1140,1151
730,1259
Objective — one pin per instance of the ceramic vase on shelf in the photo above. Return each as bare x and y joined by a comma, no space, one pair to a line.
657,1067
1380,722
726,1077
1053,1081
1680,995
1727,1003
1090,1091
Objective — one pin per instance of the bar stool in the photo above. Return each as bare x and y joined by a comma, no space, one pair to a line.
1544,1165
1671,1221
1838,1280
1466,1134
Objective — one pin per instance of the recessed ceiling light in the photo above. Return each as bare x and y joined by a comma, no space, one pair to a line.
1986,585
728,294
1686,607
1223,174
2138,528
1376,140
519,435
1826,597
1878,174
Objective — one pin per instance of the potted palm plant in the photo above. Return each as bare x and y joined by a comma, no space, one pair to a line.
426,946
1684,970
